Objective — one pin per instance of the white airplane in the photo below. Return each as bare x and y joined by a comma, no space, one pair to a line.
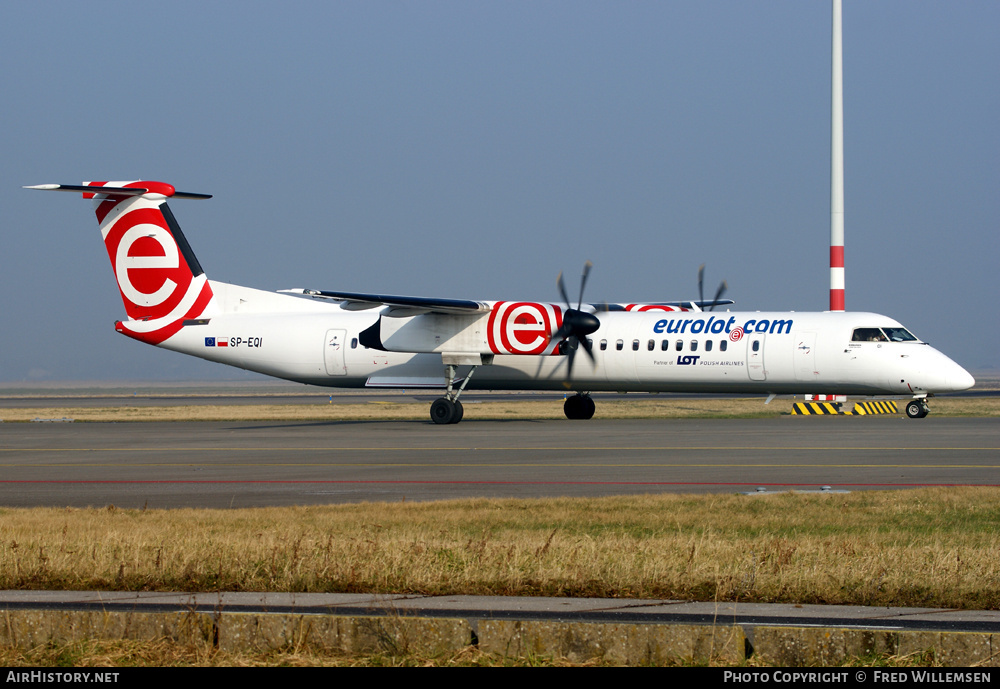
353,340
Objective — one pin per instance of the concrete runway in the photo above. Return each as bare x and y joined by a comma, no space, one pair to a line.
227,464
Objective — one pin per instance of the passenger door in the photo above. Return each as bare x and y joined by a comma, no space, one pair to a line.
333,352
755,356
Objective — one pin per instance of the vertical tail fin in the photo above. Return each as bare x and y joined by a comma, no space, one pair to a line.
160,280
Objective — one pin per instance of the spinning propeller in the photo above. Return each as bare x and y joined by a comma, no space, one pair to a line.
701,294
576,324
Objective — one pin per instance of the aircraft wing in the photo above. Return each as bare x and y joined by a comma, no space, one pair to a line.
703,304
401,306
413,306
676,304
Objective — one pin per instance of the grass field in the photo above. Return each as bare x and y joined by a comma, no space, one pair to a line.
926,548
931,547
165,654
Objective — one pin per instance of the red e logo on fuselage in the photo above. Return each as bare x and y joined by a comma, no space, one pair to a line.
522,327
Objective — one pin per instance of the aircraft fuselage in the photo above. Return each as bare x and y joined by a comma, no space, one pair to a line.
319,343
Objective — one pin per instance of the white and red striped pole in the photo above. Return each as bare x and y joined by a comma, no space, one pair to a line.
837,168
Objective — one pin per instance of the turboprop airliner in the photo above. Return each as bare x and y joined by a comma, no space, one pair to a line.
358,340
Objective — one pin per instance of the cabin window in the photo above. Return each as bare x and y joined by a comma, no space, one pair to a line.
680,345
354,343
723,345
708,345
619,345
635,345
652,345
756,345
590,344
665,345
604,345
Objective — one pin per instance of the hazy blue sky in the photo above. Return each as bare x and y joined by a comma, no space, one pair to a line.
474,150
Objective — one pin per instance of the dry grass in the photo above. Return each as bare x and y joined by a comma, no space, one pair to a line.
931,547
163,653
641,407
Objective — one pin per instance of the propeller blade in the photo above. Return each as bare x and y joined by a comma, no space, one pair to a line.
715,301
576,324
562,290
570,356
701,282
583,283
563,332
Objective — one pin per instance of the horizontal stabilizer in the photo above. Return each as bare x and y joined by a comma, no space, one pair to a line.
121,191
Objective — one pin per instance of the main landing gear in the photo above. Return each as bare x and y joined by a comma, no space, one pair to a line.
448,409
444,410
579,406
917,408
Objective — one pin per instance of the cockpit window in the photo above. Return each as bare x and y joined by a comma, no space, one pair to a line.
899,335
868,335
882,335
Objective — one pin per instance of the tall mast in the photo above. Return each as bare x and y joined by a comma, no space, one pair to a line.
837,168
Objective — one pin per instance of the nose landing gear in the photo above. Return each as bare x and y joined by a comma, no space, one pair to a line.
917,409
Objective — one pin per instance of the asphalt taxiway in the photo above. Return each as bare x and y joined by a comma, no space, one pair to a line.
250,464
593,610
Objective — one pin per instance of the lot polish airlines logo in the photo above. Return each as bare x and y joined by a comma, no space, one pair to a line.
522,327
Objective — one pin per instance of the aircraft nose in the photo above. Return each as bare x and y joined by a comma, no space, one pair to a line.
951,377
961,380
935,372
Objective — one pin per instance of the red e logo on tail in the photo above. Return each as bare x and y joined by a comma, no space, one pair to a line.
152,275
144,259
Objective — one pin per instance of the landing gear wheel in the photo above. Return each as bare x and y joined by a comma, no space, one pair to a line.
579,407
916,409
443,411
